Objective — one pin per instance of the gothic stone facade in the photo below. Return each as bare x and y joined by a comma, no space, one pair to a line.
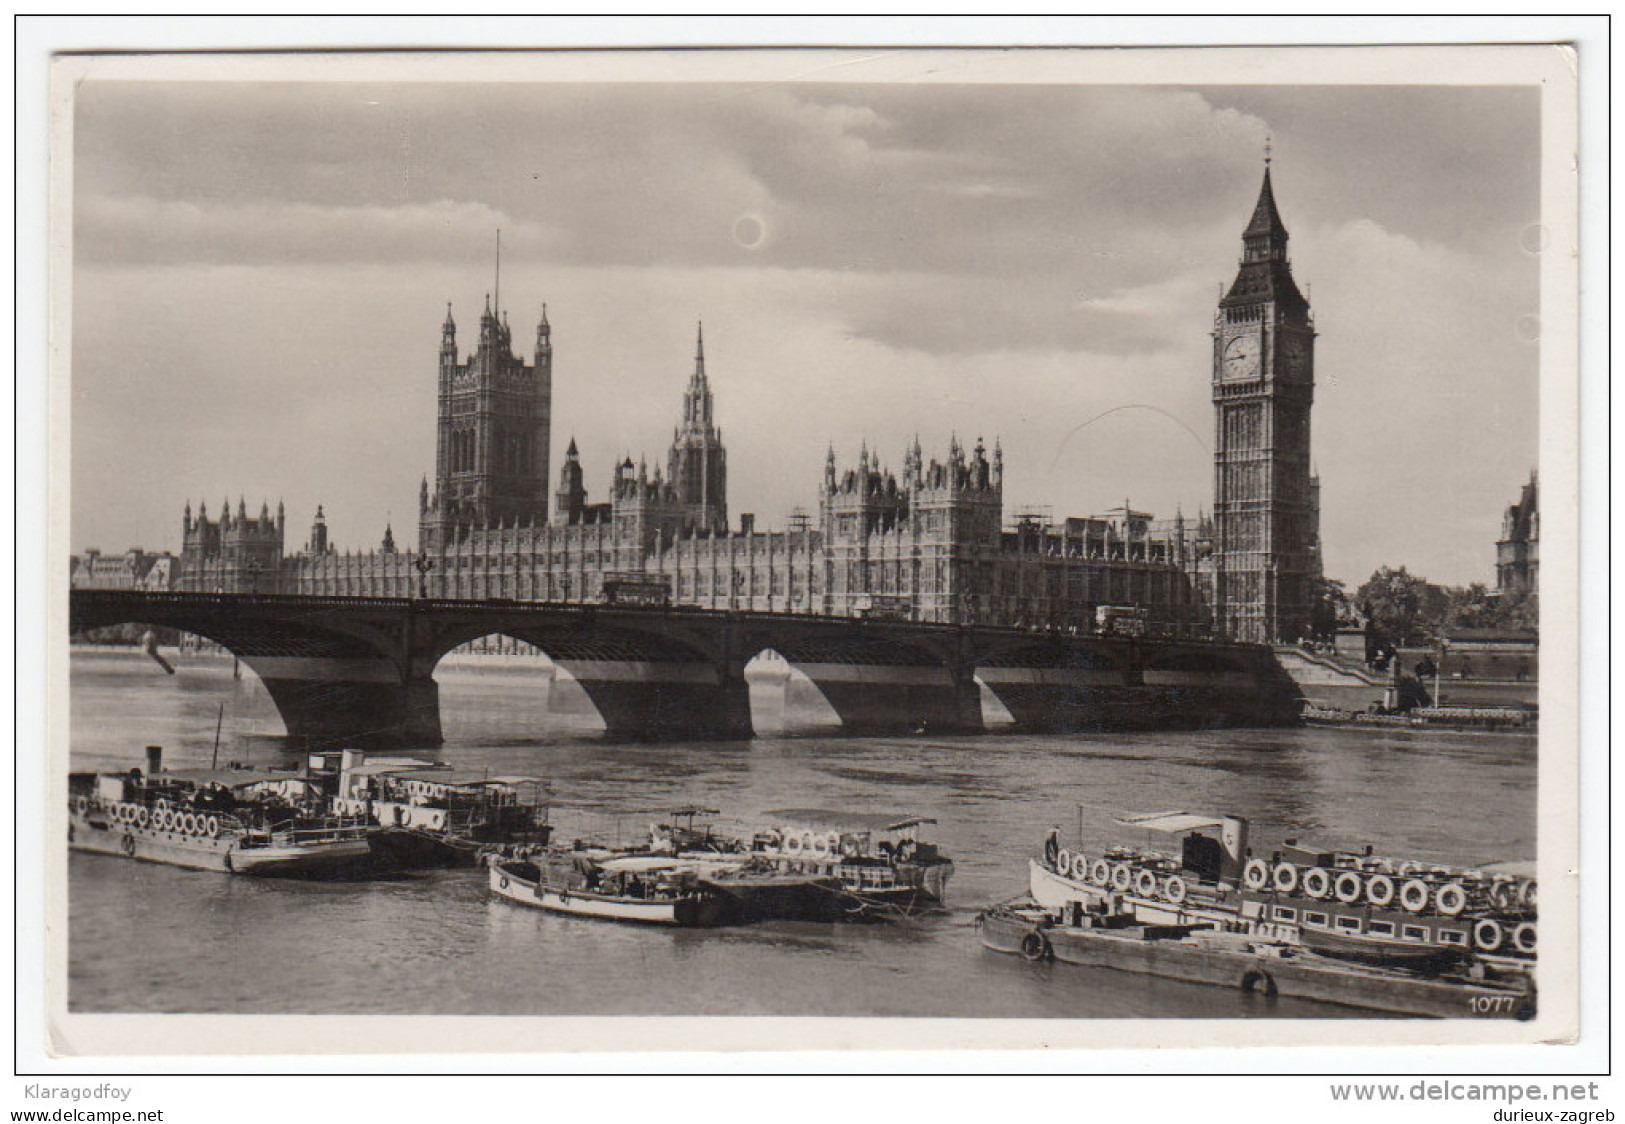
932,544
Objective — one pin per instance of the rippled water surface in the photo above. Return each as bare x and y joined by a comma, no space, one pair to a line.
148,938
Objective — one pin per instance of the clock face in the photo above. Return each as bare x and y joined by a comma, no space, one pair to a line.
1241,358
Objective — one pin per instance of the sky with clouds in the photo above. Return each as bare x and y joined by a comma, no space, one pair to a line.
261,271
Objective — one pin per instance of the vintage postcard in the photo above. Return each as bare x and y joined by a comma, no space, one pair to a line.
829,548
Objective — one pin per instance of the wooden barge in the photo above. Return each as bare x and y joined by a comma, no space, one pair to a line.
1251,964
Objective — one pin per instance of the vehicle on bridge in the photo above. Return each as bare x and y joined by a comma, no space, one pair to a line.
631,589
1121,620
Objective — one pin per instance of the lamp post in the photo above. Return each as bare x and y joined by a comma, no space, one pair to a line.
423,565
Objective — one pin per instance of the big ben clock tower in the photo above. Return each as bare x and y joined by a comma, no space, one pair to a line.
1264,505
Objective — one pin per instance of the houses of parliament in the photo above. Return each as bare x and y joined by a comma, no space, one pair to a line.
929,542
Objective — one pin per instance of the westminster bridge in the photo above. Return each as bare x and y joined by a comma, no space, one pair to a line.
360,670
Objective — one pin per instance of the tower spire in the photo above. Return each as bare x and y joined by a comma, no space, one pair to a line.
699,348
498,287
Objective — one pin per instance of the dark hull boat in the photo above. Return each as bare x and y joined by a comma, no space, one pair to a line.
1252,965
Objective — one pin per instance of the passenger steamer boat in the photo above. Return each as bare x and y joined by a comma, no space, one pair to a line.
432,815
231,820
880,861
1355,906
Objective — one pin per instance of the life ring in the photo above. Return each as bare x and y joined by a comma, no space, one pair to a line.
143,816
1100,872
1174,889
1408,868
832,843
851,848
502,882
792,844
169,819
1317,883
809,846
1080,867
1256,876
1413,895
1285,878
1379,890
211,827
1063,861
191,823
81,805
1450,899
1527,894
1122,877
1487,934
820,846
1348,887
1523,937
1499,896
1035,947
117,811
128,844
1145,884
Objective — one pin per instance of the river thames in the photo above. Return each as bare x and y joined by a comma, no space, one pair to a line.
149,938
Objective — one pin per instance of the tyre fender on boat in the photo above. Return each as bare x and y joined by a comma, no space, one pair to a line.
1122,877
1523,937
1348,887
792,844
1379,890
1145,884
211,827
1317,883
1285,878
820,846
1035,946
832,843
1413,895
1256,875
1080,867
143,816
81,805
1527,893
1100,872
1063,861
1451,899
1487,934
1174,889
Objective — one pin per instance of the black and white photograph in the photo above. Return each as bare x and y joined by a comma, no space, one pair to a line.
610,546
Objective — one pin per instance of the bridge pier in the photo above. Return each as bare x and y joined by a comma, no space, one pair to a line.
336,703
665,700
881,699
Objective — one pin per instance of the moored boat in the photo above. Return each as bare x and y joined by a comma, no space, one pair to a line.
230,820
644,889
1345,904
433,815
880,861
1251,964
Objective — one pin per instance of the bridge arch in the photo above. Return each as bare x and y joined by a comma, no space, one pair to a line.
875,679
335,671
